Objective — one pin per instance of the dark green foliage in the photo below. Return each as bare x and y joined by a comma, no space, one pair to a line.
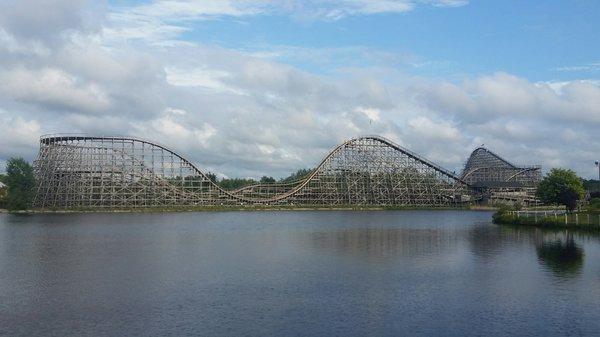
558,222
235,183
266,180
506,218
561,186
594,204
3,178
592,185
301,173
502,215
21,184
230,183
212,177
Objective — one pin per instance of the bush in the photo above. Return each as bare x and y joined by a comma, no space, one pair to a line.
594,204
518,206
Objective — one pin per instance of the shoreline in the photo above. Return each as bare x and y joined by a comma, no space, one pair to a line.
242,209
548,222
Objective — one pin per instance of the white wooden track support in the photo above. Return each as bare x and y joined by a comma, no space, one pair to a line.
78,171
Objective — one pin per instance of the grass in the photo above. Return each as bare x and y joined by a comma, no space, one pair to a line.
504,217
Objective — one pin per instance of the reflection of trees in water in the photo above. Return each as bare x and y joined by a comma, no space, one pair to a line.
557,251
487,241
560,254
384,242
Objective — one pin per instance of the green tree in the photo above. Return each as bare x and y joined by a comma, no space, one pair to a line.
21,184
212,177
235,183
300,174
561,186
266,179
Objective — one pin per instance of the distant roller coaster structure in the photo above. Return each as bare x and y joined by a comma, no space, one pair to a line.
484,168
79,171
499,180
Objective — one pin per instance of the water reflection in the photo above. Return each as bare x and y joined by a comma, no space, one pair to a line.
294,273
487,242
384,242
558,252
560,255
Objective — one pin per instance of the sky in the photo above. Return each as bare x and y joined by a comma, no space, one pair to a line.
262,87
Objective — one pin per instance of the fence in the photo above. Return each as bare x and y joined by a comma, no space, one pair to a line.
561,216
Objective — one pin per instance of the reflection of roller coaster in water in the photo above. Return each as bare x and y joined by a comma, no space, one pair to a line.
87,171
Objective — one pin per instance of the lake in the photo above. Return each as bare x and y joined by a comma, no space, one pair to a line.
294,273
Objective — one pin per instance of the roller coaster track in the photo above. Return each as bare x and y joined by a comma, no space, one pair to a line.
362,170
306,180
486,168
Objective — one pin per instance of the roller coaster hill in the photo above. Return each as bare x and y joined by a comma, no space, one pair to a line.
500,181
81,171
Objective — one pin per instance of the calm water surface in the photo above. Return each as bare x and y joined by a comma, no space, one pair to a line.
444,273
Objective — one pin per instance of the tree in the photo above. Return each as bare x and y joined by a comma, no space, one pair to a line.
212,177
561,186
235,183
266,179
21,184
300,174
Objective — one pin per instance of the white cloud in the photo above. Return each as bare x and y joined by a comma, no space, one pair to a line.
200,77
18,137
431,130
371,113
503,94
48,21
188,10
53,88
162,20
12,45
239,114
175,111
590,67
172,131
447,3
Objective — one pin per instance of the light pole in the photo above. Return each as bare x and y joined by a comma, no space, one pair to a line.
598,165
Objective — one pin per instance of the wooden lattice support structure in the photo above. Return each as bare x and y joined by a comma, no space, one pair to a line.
501,180
87,172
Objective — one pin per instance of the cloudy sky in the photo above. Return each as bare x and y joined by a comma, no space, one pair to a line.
253,87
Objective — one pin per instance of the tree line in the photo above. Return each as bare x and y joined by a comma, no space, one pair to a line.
235,183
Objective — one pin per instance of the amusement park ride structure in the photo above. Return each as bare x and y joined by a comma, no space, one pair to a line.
500,181
80,171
